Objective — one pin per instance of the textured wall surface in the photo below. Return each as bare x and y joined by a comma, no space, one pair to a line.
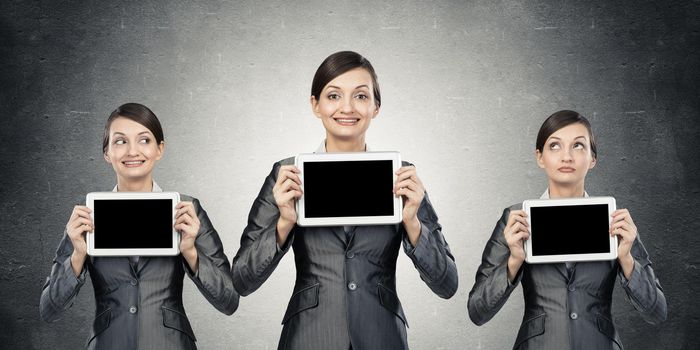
465,85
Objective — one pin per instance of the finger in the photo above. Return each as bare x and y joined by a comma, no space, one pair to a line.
519,212
520,219
289,185
82,212
408,173
411,194
289,196
521,236
288,171
409,183
404,169
623,234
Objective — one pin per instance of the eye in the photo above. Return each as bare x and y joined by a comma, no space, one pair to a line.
145,140
333,96
119,141
554,146
361,96
579,145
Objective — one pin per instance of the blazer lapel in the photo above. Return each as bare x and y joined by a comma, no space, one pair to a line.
340,233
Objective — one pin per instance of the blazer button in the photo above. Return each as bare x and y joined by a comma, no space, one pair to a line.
573,315
349,254
352,286
571,288
134,282
133,310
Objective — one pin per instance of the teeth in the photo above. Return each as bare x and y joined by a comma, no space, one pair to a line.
133,162
347,120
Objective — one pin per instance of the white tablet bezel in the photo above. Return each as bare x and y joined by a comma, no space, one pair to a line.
610,255
299,161
90,202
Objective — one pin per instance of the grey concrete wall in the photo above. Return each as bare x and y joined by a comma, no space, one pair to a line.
465,87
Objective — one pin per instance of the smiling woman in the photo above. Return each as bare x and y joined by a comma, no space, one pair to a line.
139,299
345,292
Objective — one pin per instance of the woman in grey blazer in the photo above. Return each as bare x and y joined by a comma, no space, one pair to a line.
139,299
345,291
567,305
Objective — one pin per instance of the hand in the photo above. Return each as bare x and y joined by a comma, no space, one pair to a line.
78,225
410,188
516,232
286,191
187,223
623,227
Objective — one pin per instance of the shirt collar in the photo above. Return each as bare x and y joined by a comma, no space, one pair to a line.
156,188
322,147
545,195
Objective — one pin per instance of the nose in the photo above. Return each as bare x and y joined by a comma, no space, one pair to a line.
132,149
566,155
346,107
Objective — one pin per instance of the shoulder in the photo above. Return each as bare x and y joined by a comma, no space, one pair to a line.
286,161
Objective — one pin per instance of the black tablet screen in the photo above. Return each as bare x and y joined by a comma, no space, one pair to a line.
348,188
571,229
133,223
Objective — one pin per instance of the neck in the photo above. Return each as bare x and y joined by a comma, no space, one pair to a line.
135,185
566,191
353,145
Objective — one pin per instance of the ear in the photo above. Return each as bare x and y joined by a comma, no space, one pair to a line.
594,161
161,149
538,157
375,113
106,157
314,106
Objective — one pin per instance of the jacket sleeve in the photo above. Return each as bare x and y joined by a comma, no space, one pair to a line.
643,288
61,286
213,276
259,254
492,287
431,256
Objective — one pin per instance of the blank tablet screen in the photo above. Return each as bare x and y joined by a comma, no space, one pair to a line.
133,223
570,229
348,188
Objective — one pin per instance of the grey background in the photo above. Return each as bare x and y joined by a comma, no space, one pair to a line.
465,87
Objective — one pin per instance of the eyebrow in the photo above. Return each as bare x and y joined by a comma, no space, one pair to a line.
123,134
575,138
357,87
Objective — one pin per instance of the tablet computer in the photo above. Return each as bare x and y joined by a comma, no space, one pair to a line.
571,229
133,223
348,189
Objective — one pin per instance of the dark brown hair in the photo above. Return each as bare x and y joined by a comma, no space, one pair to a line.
138,113
339,63
559,120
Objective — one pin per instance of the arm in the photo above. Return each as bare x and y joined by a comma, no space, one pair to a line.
643,288
212,275
431,255
259,253
62,285
492,286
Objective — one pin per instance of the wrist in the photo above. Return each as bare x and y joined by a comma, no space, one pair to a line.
412,224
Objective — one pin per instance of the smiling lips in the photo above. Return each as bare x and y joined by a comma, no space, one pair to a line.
346,121
566,169
133,163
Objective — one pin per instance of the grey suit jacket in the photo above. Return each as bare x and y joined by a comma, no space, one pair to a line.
563,310
140,307
345,290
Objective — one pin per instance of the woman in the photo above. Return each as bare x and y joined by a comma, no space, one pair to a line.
139,299
567,306
345,291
